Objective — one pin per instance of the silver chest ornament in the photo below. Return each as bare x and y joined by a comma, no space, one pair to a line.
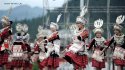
119,52
119,39
100,41
96,55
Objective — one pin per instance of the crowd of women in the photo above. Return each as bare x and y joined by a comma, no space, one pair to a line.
16,52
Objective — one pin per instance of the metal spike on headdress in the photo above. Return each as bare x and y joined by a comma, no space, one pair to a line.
55,25
58,18
120,19
81,18
83,11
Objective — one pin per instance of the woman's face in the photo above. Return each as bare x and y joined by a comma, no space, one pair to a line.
98,34
79,25
117,32
52,29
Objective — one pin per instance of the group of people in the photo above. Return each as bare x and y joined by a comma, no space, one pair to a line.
16,52
14,48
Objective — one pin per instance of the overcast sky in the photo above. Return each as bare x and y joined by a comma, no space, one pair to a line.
5,4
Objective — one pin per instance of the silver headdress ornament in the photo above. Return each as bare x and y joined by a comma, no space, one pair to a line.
5,20
40,28
74,29
81,18
41,32
25,27
19,27
119,20
98,24
55,25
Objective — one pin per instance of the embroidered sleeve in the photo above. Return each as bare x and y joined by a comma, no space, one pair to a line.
5,33
110,41
91,44
123,46
36,48
83,35
53,37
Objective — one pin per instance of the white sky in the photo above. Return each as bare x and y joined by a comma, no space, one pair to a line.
5,4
